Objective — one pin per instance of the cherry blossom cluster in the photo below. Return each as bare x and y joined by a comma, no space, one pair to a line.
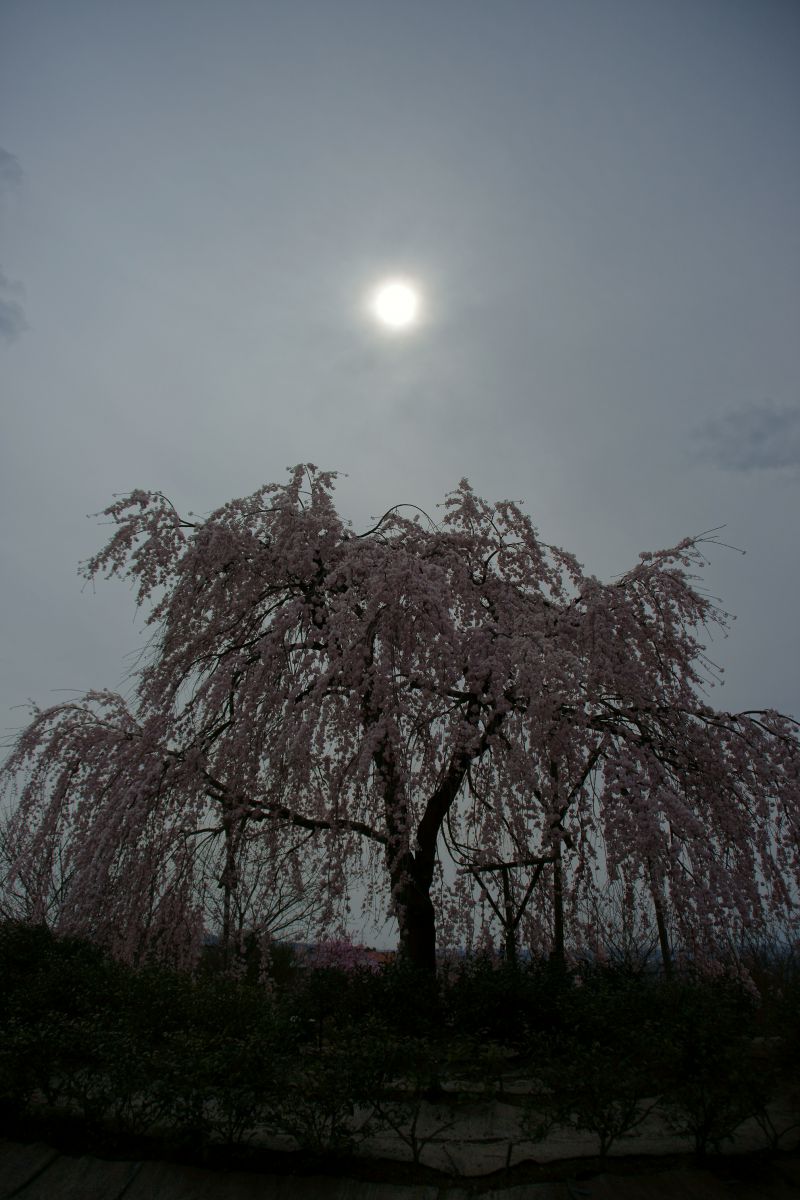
371,705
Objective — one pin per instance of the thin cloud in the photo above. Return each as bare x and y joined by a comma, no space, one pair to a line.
762,437
12,320
12,314
10,170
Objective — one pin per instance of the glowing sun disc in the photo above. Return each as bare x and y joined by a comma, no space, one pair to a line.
396,304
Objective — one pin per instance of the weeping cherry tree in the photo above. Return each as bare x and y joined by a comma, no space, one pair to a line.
380,696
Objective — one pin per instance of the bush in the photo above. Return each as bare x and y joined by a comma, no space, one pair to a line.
332,1054
409,1084
590,1087
712,1084
131,1050
493,1001
54,995
326,1098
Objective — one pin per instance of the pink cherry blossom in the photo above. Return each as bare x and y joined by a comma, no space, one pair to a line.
365,706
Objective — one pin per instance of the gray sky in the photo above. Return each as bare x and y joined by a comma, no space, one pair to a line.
600,199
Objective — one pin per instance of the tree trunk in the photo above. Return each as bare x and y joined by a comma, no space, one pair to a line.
661,923
557,954
228,883
509,922
415,914
411,871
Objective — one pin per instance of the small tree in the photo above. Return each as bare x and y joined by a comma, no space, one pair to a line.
377,689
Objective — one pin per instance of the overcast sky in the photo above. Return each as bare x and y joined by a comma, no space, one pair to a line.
599,199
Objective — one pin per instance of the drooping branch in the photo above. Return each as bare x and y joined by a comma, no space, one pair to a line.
265,811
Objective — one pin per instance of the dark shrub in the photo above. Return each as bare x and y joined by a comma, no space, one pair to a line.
711,1082
493,1001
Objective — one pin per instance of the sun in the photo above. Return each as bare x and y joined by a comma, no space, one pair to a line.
396,304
